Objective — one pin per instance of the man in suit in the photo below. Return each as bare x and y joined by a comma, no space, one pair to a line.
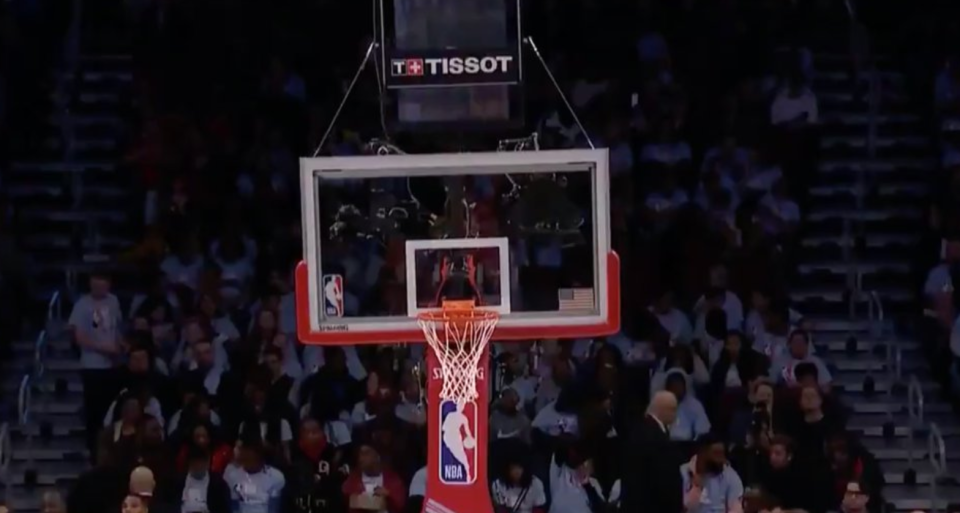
651,472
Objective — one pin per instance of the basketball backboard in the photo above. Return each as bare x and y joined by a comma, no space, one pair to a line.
379,231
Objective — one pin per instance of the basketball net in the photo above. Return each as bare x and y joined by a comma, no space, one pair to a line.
458,333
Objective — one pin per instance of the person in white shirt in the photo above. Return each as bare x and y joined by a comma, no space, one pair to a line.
255,487
515,489
671,318
663,203
795,105
95,323
208,304
573,489
719,296
781,215
667,151
235,258
186,266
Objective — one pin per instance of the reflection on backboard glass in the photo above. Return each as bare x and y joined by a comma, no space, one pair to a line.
547,217
442,275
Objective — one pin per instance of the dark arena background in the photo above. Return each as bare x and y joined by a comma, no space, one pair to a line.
705,255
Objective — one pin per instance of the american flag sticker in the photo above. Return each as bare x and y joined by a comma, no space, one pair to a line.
576,299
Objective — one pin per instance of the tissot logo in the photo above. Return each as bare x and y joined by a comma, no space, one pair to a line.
441,66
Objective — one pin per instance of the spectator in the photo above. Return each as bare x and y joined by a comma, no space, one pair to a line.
119,437
141,482
208,306
508,419
855,499
203,438
738,364
654,484
720,296
186,266
762,418
782,478
762,303
671,318
681,358
851,463
662,205
373,487
691,421
418,488
152,452
772,341
101,488
559,373
514,375
52,502
255,487
814,426
235,256
95,323
283,389
573,488
709,482
332,391
267,421
780,214
199,490
515,489
135,504
196,410
799,351
410,408
316,473
795,105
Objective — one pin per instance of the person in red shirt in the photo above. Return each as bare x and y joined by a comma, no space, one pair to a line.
202,436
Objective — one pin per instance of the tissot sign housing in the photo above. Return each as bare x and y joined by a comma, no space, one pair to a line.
451,68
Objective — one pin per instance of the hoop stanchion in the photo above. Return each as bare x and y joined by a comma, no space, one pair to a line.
459,336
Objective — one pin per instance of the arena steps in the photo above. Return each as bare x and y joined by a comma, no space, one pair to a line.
860,236
73,196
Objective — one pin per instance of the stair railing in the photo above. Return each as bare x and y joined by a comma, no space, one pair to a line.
853,284
6,456
54,314
874,96
937,454
24,398
915,417
40,355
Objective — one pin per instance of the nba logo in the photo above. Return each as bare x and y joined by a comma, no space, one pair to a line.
333,295
458,443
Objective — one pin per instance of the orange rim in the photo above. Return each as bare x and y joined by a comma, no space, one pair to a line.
458,312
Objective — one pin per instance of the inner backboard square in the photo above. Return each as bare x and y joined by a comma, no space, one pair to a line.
457,269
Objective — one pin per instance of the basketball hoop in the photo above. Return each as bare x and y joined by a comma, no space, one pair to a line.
458,334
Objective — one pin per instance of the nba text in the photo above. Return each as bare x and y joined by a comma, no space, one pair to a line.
443,66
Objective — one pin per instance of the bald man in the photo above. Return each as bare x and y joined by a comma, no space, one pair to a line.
651,472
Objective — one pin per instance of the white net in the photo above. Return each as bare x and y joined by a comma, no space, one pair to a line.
458,338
